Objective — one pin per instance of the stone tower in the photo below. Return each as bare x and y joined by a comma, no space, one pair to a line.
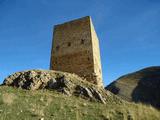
75,49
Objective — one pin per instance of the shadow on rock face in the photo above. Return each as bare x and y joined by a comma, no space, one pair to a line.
115,90
148,89
142,86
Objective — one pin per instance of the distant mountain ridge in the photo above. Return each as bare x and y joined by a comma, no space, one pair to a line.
141,86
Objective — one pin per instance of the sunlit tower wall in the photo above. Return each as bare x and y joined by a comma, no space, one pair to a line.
75,49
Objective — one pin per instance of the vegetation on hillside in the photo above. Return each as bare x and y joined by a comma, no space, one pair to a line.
20,104
141,86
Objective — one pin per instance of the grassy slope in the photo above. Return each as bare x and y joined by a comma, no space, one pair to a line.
18,104
140,86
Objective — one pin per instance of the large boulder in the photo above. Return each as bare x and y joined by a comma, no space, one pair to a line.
66,83
141,86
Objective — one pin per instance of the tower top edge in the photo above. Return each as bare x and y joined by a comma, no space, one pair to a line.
75,20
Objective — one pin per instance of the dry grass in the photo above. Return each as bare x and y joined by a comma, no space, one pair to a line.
49,105
8,98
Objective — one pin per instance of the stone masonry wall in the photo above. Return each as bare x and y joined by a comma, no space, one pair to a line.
72,49
96,55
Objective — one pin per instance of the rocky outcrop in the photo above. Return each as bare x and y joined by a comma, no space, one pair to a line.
66,83
141,86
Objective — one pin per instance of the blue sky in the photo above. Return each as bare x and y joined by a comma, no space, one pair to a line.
128,30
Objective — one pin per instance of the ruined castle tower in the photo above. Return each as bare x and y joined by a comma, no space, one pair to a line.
75,49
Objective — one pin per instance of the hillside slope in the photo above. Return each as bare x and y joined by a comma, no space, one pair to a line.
19,104
63,82
48,95
141,86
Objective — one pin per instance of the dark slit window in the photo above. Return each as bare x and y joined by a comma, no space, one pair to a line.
57,47
82,41
69,44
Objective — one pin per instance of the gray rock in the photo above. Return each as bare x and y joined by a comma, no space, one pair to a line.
91,93
98,95
52,83
66,83
83,91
